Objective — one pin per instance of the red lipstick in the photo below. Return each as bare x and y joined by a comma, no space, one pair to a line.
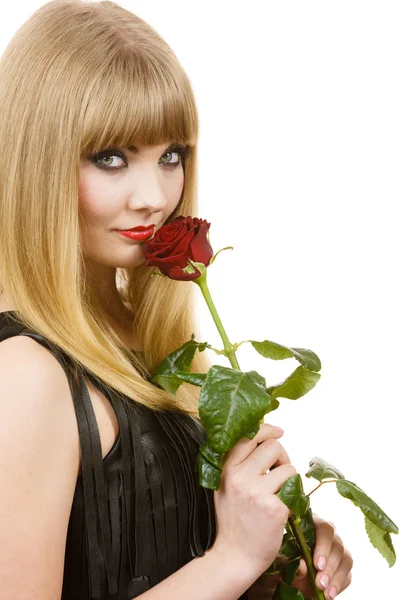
138,233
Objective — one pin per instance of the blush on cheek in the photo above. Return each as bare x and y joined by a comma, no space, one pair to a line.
82,187
177,193
91,208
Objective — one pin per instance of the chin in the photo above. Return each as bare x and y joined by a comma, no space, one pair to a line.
136,261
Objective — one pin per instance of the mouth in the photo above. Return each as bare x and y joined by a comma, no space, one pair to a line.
139,228
140,233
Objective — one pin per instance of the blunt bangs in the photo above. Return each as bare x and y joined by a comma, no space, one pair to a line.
137,101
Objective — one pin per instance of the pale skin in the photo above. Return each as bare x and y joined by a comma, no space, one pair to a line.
139,188
121,191
336,573
332,577
118,193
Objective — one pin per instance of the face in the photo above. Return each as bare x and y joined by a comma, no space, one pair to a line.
123,188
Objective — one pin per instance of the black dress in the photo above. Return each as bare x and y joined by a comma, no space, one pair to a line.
139,514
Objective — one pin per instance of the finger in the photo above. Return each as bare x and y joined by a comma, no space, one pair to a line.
273,481
342,576
317,520
244,447
264,431
324,534
324,578
268,455
348,581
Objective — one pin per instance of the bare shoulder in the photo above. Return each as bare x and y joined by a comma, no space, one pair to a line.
39,449
22,357
22,351
31,374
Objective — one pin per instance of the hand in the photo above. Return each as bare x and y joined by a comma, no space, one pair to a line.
250,517
336,572
337,569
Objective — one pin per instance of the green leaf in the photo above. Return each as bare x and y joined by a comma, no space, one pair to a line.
299,383
275,351
371,510
289,571
284,592
232,404
193,378
215,458
308,527
273,569
381,540
320,469
209,467
292,494
170,383
289,546
169,374
307,358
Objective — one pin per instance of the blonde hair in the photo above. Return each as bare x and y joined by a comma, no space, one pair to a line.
76,78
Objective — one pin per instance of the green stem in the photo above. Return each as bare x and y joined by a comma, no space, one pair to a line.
228,347
322,483
295,523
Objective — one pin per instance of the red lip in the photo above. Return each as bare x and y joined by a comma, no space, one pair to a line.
140,234
139,228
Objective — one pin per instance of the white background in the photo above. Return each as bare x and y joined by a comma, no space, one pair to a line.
299,171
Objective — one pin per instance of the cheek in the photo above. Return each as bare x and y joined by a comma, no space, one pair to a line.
93,204
86,195
176,191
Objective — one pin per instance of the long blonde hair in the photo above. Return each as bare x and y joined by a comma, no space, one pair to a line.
76,78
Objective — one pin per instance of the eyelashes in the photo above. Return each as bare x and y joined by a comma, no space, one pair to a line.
179,149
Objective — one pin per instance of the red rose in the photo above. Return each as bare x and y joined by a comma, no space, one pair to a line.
174,243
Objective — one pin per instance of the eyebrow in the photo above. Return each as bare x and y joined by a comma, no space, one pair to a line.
135,150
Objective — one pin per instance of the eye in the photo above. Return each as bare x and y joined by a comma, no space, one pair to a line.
107,154
181,154
169,162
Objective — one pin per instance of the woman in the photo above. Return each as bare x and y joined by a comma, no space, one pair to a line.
99,127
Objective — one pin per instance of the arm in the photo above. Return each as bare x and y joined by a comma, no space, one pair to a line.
39,450
209,577
337,567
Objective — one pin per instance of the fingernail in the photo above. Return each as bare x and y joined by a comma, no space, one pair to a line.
280,429
324,580
321,563
332,592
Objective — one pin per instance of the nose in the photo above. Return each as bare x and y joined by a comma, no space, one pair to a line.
147,190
